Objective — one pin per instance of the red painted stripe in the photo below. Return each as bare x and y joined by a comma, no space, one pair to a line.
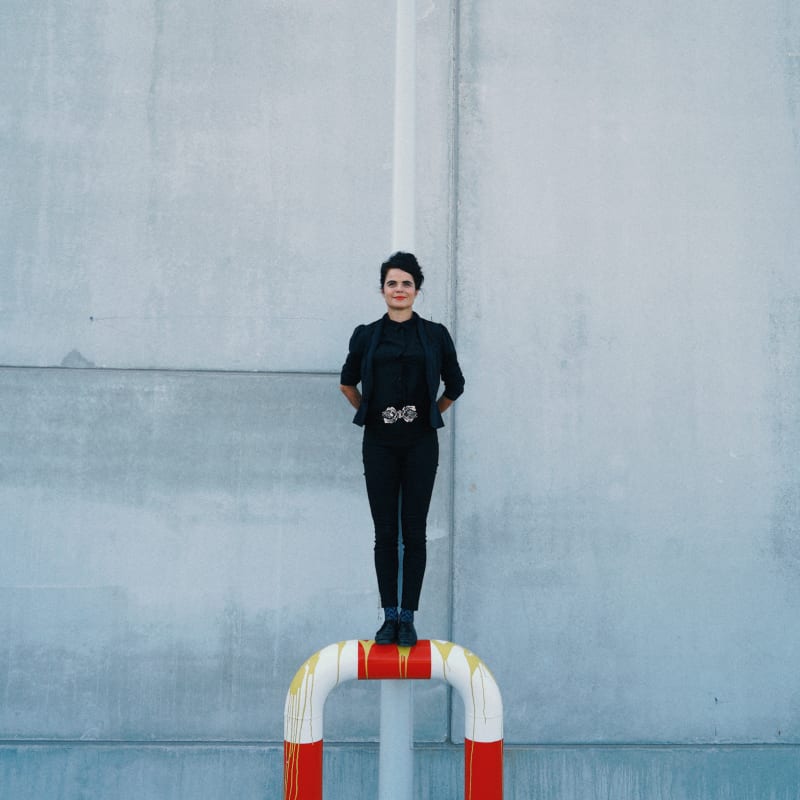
302,771
483,770
390,662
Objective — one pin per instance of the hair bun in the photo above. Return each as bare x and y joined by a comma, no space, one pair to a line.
406,262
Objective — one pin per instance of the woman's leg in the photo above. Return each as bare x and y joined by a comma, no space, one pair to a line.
382,474
417,478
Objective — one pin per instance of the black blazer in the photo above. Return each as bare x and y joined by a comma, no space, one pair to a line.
441,362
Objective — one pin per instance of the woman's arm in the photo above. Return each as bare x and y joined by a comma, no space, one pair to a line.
351,371
451,373
444,402
352,394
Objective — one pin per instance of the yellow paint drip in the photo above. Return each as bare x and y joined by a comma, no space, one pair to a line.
301,692
340,647
444,648
475,665
402,661
367,645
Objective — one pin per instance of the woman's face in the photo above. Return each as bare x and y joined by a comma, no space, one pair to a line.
399,291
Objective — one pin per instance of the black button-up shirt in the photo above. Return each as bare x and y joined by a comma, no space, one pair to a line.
441,364
399,375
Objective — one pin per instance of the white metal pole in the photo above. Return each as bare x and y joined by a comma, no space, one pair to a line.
396,755
403,189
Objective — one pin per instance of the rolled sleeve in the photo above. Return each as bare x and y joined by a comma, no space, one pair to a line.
351,370
451,371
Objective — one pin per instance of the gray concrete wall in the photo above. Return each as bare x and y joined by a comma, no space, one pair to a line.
153,772
196,201
637,310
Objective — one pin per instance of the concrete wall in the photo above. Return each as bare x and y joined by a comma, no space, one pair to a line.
637,310
196,202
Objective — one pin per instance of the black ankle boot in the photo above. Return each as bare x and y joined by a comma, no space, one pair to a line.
406,634
387,634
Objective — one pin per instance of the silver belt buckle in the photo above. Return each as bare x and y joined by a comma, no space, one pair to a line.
392,415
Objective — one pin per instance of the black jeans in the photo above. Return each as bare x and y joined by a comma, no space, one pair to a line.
400,476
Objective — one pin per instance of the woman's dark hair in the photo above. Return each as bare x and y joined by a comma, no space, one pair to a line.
406,262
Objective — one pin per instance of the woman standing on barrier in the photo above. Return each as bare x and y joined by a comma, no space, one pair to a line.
399,361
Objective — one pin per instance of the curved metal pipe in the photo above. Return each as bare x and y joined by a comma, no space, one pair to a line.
364,660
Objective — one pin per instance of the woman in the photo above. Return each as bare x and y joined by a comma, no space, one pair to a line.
399,361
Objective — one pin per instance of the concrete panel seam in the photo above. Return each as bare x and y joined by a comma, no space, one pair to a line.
452,246
373,745
164,371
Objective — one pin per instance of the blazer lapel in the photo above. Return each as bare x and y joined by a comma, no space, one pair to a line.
366,378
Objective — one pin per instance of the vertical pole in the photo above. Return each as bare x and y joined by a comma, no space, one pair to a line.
396,754
396,757
403,188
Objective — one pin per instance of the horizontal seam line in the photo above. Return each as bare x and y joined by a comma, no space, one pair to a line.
167,370
374,744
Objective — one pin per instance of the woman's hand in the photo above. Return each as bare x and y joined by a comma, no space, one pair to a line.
444,403
352,394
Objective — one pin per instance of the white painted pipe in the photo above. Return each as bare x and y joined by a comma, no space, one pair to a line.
404,165
396,750
364,660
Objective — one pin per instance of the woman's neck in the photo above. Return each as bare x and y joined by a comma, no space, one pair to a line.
402,315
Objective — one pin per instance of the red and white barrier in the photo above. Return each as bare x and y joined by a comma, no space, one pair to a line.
365,660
